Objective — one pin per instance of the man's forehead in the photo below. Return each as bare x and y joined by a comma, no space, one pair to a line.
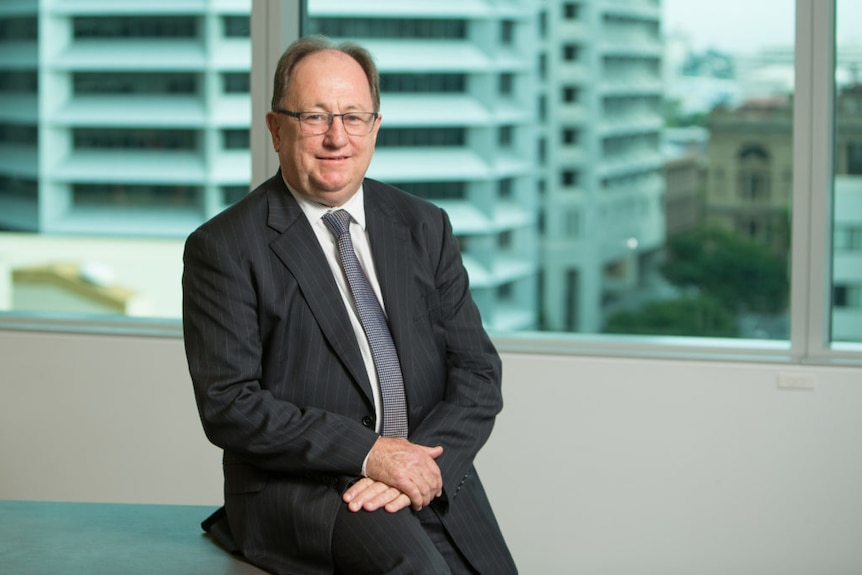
329,66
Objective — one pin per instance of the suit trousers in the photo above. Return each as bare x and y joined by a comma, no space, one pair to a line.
401,543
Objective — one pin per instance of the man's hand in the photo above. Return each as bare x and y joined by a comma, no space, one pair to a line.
407,467
371,495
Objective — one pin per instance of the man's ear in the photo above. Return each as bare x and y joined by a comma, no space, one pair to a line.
272,122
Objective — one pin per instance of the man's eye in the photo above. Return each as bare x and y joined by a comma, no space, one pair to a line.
353,119
315,118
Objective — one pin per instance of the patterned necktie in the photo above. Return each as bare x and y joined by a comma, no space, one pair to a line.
376,329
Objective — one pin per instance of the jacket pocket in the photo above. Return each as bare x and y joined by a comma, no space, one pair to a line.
243,479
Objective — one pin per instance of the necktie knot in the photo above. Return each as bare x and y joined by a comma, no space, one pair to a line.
338,222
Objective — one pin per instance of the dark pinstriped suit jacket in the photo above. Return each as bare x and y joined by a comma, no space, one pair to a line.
281,387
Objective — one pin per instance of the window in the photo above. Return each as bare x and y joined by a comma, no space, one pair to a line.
111,139
418,137
571,11
570,94
148,27
134,84
569,178
506,136
570,137
424,83
235,82
845,320
391,27
583,229
236,26
854,157
120,146
571,52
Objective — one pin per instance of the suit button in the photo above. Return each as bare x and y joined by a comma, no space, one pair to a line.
368,422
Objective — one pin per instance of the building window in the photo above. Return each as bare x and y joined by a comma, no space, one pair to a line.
571,52
569,178
390,28
391,83
848,238
754,180
235,139
854,157
236,26
505,189
847,296
505,136
434,190
235,82
18,29
420,137
570,94
233,194
18,81
571,11
135,196
134,83
124,27
507,33
507,84
18,134
133,139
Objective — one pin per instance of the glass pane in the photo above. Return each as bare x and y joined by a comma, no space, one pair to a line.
609,167
120,131
847,198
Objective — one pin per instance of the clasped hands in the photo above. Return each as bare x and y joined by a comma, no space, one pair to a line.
399,474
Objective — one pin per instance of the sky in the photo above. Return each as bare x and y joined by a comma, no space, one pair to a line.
748,25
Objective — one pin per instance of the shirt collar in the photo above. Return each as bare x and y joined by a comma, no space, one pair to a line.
355,206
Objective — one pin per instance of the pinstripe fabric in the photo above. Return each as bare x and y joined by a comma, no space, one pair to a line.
281,387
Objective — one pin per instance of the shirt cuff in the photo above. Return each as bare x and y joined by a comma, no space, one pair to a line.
364,463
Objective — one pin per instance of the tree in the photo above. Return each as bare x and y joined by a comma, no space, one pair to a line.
741,275
692,316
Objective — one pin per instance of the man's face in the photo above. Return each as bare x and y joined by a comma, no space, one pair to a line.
327,168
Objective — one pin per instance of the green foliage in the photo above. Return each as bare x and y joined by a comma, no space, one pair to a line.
739,274
689,316
675,117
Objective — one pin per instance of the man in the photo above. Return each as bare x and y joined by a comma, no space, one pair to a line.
340,457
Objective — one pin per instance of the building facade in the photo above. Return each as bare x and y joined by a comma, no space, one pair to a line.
601,183
535,124
124,118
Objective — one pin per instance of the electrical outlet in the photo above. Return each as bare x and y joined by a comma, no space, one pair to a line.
802,381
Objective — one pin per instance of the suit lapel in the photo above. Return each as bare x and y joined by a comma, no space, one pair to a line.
298,249
390,246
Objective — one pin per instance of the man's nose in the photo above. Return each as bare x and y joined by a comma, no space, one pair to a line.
336,132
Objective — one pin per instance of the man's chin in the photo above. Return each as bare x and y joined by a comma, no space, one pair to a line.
334,196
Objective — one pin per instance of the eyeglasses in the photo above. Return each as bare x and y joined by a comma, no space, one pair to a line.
316,123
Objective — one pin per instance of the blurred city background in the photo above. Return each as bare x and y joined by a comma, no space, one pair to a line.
609,166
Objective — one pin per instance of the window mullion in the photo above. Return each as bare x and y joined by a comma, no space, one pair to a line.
822,144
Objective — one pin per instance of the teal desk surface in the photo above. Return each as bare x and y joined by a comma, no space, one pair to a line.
54,538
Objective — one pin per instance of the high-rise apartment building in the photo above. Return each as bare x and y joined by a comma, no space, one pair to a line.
602,183
459,110
123,117
535,124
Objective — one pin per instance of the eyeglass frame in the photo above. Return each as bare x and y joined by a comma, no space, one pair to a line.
331,116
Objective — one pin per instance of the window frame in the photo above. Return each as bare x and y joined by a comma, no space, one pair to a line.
274,25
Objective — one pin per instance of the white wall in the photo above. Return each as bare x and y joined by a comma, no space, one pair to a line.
597,466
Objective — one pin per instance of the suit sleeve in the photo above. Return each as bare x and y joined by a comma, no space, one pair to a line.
221,303
463,421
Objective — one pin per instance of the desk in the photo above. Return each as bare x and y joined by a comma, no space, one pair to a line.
50,538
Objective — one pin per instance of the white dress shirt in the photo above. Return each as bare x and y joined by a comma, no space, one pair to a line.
355,206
